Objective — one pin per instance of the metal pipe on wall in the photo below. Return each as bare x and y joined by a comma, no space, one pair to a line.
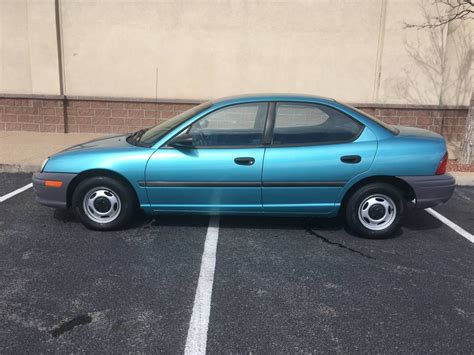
59,43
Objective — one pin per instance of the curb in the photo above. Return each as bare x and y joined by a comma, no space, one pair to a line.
18,168
462,178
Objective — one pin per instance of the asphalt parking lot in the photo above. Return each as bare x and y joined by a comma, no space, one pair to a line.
279,285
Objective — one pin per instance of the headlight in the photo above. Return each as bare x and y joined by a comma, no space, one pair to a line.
43,165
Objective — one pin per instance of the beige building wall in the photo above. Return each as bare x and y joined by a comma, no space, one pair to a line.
425,66
352,50
28,52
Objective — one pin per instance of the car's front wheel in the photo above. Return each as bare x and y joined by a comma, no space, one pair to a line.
375,210
103,203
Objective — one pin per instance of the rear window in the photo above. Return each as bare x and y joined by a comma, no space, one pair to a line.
388,127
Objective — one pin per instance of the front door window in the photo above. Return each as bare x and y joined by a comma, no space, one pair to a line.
233,126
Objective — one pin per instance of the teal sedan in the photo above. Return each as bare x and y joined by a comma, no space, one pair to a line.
279,155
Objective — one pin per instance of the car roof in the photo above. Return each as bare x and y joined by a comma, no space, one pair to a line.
271,97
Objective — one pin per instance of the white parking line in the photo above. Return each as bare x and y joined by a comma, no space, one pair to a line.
197,333
451,225
16,192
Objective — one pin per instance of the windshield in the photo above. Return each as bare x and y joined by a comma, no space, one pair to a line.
150,136
388,127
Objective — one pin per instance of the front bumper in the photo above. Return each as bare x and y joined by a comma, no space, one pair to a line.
52,196
430,190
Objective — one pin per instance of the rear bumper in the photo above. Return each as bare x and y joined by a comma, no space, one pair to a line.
431,190
52,196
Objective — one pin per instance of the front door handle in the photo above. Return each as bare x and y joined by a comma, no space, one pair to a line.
244,161
351,159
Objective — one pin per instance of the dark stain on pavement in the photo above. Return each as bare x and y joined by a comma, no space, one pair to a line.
70,324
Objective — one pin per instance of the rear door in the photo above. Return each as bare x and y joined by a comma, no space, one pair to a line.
222,172
314,151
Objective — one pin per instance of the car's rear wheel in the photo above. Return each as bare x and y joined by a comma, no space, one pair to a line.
103,203
375,210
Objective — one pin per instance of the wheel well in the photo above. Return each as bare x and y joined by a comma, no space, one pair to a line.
403,186
96,172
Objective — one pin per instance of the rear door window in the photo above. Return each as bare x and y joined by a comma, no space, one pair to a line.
312,124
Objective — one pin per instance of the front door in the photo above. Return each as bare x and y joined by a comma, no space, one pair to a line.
222,172
315,151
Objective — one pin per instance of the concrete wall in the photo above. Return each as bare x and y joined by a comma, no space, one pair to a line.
352,50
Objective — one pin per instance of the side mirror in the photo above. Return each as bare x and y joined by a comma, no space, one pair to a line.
184,141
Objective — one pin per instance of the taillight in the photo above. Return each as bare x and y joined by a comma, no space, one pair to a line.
442,165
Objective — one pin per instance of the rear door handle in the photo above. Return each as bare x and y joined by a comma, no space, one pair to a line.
244,161
351,159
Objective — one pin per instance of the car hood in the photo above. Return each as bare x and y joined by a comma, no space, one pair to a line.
109,142
418,133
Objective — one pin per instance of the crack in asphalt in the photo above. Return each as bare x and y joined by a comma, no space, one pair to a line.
326,240
391,265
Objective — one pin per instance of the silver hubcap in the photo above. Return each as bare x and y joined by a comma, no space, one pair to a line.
377,212
101,205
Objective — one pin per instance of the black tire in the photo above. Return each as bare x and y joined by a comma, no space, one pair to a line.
359,217
121,195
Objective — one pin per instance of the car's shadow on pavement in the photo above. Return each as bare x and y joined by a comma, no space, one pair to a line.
415,220
420,220
66,216
142,220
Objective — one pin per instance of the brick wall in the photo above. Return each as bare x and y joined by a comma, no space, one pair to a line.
31,115
46,114
450,122
84,116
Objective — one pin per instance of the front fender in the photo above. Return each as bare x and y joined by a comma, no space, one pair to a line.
128,162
